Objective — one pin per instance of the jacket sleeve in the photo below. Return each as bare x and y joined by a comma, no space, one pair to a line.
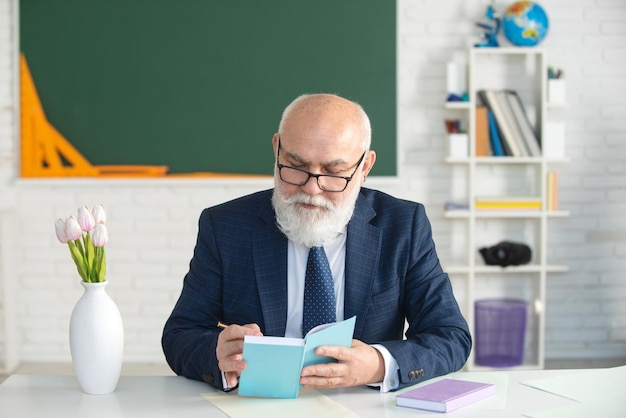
437,340
190,334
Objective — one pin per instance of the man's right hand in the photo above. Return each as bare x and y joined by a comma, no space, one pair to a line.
230,348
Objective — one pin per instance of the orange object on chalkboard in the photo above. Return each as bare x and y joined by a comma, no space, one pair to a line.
46,153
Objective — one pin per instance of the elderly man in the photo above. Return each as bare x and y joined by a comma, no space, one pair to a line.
249,267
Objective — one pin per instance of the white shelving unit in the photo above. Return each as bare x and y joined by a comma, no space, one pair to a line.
523,70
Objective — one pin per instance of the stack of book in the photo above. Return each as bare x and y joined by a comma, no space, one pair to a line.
507,203
503,127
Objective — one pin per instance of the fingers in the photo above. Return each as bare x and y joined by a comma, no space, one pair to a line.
231,378
230,347
328,370
335,351
328,375
359,364
236,333
239,331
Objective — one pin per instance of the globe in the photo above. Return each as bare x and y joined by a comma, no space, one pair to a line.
525,23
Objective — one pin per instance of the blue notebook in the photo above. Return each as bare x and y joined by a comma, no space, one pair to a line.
496,144
273,364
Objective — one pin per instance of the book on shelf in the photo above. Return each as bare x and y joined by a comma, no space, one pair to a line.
455,206
274,364
482,132
517,141
528,133
489,99
445,395
518,136
494,136
553,191
507,203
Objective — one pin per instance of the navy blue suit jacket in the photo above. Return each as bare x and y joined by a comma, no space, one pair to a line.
238,275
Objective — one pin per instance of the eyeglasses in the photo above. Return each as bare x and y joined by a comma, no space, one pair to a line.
326,182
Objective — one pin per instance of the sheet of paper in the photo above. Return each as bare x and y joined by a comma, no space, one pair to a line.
600,393
309,403
608,407
586,385
500,380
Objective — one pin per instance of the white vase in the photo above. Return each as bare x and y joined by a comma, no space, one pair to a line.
96,340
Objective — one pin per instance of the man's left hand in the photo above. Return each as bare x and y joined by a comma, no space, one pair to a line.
358,365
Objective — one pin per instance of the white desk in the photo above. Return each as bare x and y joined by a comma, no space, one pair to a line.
51,396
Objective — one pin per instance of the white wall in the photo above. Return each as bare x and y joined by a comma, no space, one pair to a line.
153,223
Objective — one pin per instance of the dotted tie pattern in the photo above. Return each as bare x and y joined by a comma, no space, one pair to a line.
319,291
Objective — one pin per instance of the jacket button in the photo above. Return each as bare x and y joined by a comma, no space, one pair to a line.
416,374
208,378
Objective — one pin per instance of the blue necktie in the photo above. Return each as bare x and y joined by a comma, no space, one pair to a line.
319,291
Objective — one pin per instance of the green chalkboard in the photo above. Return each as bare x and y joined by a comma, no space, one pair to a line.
200,85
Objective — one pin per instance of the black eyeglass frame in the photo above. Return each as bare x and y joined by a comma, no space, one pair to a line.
316,176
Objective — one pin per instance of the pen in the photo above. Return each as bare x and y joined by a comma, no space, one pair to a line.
221,325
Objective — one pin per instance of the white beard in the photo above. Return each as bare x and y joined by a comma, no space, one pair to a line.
312,227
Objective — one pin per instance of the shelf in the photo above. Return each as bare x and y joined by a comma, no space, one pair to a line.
557,160
529,268
558,214
555,106
508,160
458,105
507,51
464,214
505,160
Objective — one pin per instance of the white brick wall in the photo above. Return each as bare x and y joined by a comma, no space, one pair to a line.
153,223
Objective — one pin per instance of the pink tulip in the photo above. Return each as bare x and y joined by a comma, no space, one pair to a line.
86,235
85,219
100,235
59,228
99,215
73,230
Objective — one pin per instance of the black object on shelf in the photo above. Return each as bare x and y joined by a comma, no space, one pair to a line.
506,253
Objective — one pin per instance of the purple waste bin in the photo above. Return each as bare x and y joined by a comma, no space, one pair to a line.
500,328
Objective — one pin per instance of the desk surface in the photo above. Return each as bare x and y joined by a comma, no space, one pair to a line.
170,396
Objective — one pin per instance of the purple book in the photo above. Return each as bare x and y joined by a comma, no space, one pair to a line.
445,395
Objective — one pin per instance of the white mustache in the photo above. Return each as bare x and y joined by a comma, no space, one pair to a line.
318,201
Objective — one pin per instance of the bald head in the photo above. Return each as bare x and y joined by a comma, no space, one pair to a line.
327,114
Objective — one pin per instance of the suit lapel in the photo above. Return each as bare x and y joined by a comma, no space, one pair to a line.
269,249
362,257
